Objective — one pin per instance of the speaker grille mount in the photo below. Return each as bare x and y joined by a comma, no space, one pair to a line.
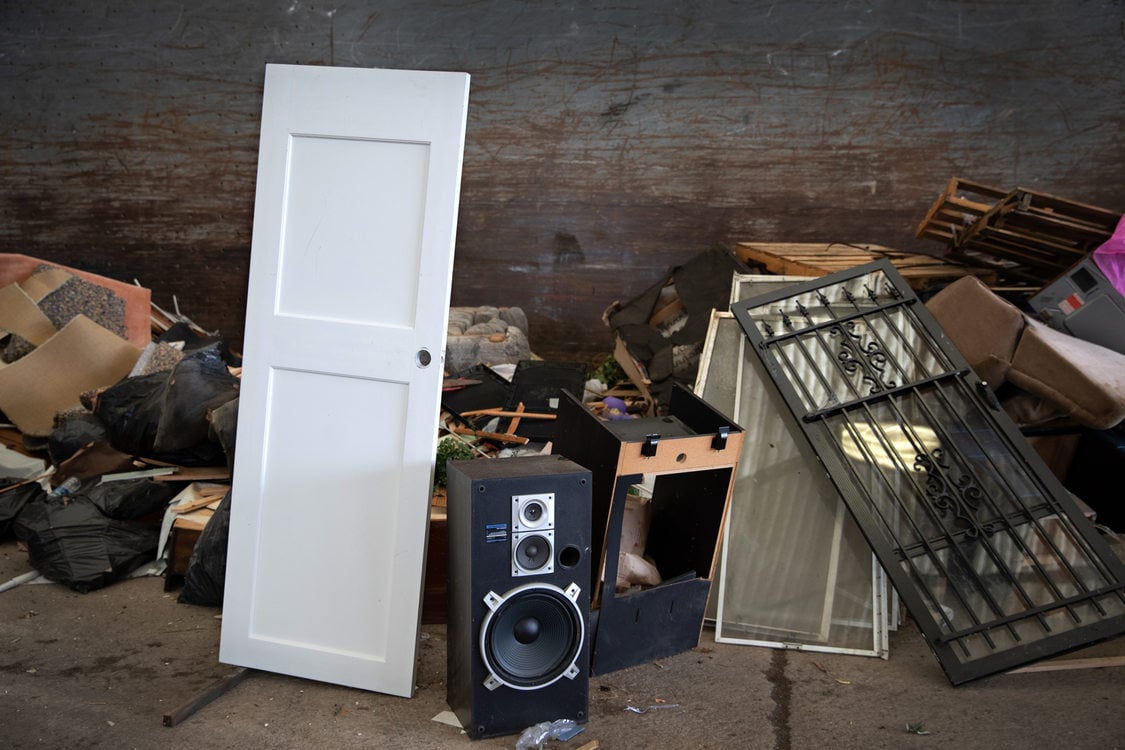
532,636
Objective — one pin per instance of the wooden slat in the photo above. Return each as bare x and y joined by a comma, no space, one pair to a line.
1058,665
819,259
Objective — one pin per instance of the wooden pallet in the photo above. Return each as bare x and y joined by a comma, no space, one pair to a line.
1025,236
822,258
1034,237
957,208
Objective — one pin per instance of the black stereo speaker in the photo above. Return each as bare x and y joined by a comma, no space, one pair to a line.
519,574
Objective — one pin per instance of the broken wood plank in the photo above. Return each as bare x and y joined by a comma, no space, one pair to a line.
195,521
196,474
514,422
820,259
200,502
221,687
504,413
1058,665
959,205
497,436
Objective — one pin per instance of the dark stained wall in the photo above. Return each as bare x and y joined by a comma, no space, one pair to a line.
604,145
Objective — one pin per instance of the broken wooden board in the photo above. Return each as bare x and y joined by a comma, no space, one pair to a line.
822,258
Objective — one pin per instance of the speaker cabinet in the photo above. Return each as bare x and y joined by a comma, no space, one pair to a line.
691,455
519,598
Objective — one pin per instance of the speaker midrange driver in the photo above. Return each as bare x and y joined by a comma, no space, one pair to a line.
532,636
533,554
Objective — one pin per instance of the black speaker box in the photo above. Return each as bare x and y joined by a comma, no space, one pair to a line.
518,646
692,454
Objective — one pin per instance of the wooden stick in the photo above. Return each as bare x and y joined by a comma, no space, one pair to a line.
199,502
219,688
1060,664
492,435
27,481
195,474
515,421
502,413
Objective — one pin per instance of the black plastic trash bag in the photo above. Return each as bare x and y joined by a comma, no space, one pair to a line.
165,415
224,429
133,499
199,383
130,411
76,432
191,341
71,541
13,501
207,569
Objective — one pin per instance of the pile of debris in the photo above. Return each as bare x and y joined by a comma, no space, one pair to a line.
951,431
118,411
929,422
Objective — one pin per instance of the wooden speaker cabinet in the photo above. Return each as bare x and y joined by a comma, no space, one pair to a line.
688,457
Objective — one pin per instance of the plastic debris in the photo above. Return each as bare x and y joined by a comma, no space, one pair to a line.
534,736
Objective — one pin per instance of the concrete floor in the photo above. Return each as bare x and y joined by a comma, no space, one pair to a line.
101,670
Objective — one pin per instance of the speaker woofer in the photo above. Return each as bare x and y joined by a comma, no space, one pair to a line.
532,636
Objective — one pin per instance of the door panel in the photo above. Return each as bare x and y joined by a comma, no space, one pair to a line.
350,273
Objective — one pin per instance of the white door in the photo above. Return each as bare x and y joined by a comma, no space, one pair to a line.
358,182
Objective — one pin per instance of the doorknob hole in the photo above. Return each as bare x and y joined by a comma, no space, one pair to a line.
423,358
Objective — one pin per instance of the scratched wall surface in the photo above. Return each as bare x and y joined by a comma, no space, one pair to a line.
604,145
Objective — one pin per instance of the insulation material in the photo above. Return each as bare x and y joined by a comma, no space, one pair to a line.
81,357
77,296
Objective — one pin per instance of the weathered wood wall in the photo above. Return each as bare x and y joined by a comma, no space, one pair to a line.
604,144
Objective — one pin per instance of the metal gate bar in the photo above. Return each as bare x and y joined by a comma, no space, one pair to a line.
990,555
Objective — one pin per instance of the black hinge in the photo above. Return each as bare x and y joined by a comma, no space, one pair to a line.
719,442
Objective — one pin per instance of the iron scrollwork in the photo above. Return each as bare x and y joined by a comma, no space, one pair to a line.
952,492
867,358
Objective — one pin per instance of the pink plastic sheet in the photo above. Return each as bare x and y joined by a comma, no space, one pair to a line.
1110,257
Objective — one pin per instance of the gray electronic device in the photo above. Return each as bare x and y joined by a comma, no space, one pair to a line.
1085,304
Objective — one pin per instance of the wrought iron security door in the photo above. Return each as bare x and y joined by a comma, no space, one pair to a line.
992,558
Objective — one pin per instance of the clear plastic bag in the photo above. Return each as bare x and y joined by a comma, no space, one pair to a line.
534,736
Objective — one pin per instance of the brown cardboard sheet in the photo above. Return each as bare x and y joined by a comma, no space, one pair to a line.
138,300
80,357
